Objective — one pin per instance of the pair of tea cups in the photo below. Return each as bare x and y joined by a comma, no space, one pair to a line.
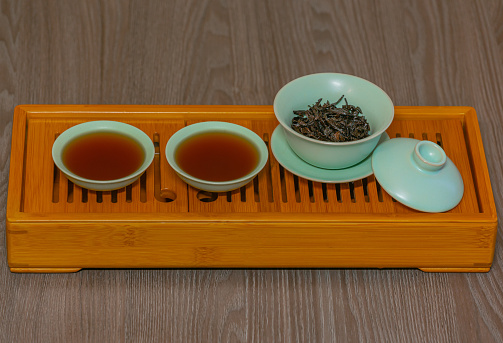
73,134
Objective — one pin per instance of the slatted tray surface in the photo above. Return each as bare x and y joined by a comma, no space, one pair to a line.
278,220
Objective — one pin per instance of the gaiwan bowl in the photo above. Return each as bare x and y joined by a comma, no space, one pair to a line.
305,91
103,155
216,156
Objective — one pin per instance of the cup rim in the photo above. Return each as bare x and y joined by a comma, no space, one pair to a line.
370,137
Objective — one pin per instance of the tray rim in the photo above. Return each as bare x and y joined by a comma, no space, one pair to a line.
23,113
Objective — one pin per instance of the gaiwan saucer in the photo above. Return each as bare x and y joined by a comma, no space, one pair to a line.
294,164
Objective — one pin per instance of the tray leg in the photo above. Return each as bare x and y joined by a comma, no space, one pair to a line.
455,270
44,270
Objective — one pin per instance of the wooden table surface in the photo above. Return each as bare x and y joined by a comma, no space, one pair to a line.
421,52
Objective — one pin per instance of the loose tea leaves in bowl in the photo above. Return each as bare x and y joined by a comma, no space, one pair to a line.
338,152
327,122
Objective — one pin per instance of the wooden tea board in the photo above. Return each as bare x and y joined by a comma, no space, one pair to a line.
277,221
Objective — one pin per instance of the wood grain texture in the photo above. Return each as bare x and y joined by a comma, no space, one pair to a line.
439,53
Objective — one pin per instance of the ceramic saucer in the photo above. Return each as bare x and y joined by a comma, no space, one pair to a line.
294,164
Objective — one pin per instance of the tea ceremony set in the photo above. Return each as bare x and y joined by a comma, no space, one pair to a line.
333,175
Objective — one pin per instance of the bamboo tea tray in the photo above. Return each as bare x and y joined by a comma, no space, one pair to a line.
277,221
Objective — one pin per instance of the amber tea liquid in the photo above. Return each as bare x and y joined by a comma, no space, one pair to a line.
103,156
217,156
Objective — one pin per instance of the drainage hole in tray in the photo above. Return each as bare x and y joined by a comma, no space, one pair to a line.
205,196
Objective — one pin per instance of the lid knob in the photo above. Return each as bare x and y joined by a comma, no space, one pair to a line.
429,156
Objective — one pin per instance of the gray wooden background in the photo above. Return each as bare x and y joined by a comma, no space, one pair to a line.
422,52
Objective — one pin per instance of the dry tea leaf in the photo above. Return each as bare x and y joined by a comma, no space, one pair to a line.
330,123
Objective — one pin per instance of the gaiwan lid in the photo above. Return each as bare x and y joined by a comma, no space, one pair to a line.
418,174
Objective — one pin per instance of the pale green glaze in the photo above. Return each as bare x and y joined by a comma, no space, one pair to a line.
103,126
298,94
418,174
215,126
293,163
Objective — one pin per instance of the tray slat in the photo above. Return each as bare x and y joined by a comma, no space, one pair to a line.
278,220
